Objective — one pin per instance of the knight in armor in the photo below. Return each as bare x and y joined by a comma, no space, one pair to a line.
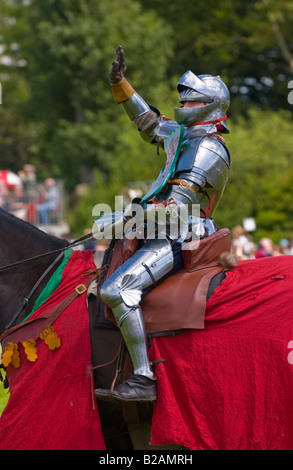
199,177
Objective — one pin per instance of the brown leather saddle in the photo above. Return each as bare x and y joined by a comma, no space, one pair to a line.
179,302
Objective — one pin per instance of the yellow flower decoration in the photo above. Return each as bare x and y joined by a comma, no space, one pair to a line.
30,350
51,338
11,355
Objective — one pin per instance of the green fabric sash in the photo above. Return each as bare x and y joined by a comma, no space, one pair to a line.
52,284
172,146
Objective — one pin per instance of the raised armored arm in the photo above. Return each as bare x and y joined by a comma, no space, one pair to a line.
147,119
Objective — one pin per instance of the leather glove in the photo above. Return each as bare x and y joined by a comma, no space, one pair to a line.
118,68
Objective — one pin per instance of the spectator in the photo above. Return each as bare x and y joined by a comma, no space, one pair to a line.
18,206
51,200
284,247
29,180
241,245
3,194
266,248
291,245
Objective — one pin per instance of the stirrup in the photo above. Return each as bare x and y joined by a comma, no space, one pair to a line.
136,388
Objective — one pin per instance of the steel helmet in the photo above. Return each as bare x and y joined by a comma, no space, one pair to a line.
207,88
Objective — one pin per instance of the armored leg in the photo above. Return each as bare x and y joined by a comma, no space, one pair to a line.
122,292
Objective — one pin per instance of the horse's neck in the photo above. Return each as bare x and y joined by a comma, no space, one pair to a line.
19,241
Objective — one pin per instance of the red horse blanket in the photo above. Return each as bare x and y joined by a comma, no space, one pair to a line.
230,386
51,405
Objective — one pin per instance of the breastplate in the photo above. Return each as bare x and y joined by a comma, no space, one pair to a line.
204,163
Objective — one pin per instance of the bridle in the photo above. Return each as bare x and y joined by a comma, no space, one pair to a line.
73,244
60,252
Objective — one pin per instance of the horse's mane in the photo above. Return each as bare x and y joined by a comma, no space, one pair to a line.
32,231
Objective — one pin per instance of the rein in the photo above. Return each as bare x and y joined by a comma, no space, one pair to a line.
34,258
28,260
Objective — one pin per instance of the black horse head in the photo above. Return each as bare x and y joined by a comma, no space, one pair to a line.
20,240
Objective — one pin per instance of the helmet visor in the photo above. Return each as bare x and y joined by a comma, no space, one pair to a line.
190,80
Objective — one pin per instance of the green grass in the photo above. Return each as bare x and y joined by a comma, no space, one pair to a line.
4,395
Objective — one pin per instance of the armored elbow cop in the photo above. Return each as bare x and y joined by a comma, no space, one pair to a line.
145,117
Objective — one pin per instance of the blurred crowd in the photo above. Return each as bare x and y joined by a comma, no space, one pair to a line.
244,247
39,203
22,195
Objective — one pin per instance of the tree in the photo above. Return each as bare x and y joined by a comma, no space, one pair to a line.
58,110
248,43
68,46
17,136
260,179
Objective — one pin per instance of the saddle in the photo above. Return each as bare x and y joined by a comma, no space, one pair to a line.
179,302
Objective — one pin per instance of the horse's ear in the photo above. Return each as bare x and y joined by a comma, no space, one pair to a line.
228,260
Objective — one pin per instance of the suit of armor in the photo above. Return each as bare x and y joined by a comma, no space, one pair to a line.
199,177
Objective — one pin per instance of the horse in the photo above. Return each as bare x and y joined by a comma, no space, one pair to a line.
19,240
248,316
22,247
